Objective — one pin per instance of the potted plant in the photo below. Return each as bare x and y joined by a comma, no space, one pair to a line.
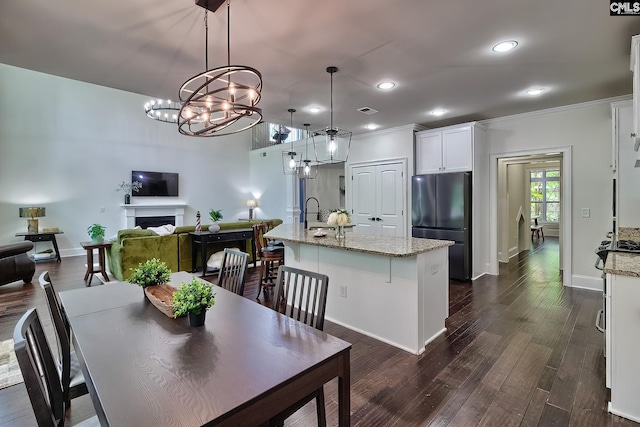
96,232
194,299
215,215
128,188
150,273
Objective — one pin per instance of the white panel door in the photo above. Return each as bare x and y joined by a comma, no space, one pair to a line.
378,199
457,151
364,199
390,200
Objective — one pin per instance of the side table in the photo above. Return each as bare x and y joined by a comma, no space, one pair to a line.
101,247
43,237
203,238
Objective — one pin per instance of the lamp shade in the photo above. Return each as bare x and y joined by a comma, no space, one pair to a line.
252,203
32,212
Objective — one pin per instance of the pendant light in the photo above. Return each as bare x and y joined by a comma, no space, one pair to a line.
308,171
162,110
290,159
332,144
221,101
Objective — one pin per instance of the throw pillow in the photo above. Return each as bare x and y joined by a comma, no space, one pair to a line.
215,260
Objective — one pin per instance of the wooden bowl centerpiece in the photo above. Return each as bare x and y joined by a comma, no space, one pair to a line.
153,276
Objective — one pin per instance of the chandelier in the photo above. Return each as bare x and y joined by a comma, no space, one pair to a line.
220,101
307,170
290,159
332,144
162,110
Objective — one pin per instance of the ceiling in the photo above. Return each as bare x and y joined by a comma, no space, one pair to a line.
438,53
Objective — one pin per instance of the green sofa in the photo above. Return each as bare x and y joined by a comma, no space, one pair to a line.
134,246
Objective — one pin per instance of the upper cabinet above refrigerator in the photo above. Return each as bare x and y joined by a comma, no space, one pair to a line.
445,150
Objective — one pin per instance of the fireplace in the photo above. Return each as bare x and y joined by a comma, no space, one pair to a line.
135,213
155,221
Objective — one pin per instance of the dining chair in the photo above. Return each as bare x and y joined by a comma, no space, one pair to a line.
40,373
233,270
269,255
302,295
73,383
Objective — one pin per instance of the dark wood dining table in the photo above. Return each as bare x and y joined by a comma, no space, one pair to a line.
244,366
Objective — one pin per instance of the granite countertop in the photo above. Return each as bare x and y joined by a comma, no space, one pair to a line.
387,246
622,263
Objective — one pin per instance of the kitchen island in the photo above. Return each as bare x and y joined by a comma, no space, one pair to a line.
390,288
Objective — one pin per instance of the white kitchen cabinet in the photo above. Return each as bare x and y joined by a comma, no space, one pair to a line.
623,350
444,150
623,165
635,68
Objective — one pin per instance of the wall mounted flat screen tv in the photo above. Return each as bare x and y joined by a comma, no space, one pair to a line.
156,184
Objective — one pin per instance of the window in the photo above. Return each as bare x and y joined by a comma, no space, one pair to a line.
545,195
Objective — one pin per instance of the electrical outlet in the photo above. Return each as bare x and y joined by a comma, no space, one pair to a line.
343,291
586,212
102,209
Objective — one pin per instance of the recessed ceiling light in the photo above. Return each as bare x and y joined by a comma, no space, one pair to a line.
372,126
438,112
505,46
314,109
386,85
535,91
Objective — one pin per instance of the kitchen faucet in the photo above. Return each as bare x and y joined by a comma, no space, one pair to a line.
306,212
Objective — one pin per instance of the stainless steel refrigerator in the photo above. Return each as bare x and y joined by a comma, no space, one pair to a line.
441,209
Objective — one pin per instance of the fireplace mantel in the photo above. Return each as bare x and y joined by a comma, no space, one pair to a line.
154,209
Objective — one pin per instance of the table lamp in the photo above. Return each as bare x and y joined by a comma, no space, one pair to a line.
251,203
33,214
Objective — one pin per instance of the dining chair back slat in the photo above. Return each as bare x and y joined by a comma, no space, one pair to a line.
68,368
39,370
233,271
302,295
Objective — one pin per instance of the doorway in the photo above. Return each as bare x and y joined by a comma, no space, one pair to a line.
528,194
511,176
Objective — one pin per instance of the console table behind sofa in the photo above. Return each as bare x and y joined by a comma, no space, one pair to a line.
134,246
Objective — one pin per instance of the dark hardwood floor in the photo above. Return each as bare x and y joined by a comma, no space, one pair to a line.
520,350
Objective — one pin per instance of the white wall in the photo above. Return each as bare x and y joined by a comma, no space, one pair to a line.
586,128
66,145
516,201
268,182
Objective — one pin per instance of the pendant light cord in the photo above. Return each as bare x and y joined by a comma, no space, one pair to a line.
229,32
206,42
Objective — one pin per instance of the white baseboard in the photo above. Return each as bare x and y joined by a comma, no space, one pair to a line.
586,282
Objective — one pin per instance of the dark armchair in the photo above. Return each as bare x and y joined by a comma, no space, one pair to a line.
15,264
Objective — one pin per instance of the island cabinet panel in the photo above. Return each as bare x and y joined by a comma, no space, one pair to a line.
402,301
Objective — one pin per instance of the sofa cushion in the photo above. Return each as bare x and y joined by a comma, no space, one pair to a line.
134,232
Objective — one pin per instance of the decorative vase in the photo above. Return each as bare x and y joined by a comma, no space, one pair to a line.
197,319
127,199
97,239
339,232
214,228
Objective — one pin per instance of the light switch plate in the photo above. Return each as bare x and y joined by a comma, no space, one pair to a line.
586,212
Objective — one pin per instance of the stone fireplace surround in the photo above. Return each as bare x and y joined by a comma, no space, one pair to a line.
133,211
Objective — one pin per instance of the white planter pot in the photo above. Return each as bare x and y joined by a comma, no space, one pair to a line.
214,228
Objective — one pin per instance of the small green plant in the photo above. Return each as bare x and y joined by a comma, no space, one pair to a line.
96,231
215,215
151,272
194,297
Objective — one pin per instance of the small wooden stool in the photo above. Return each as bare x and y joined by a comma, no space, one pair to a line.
101,247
